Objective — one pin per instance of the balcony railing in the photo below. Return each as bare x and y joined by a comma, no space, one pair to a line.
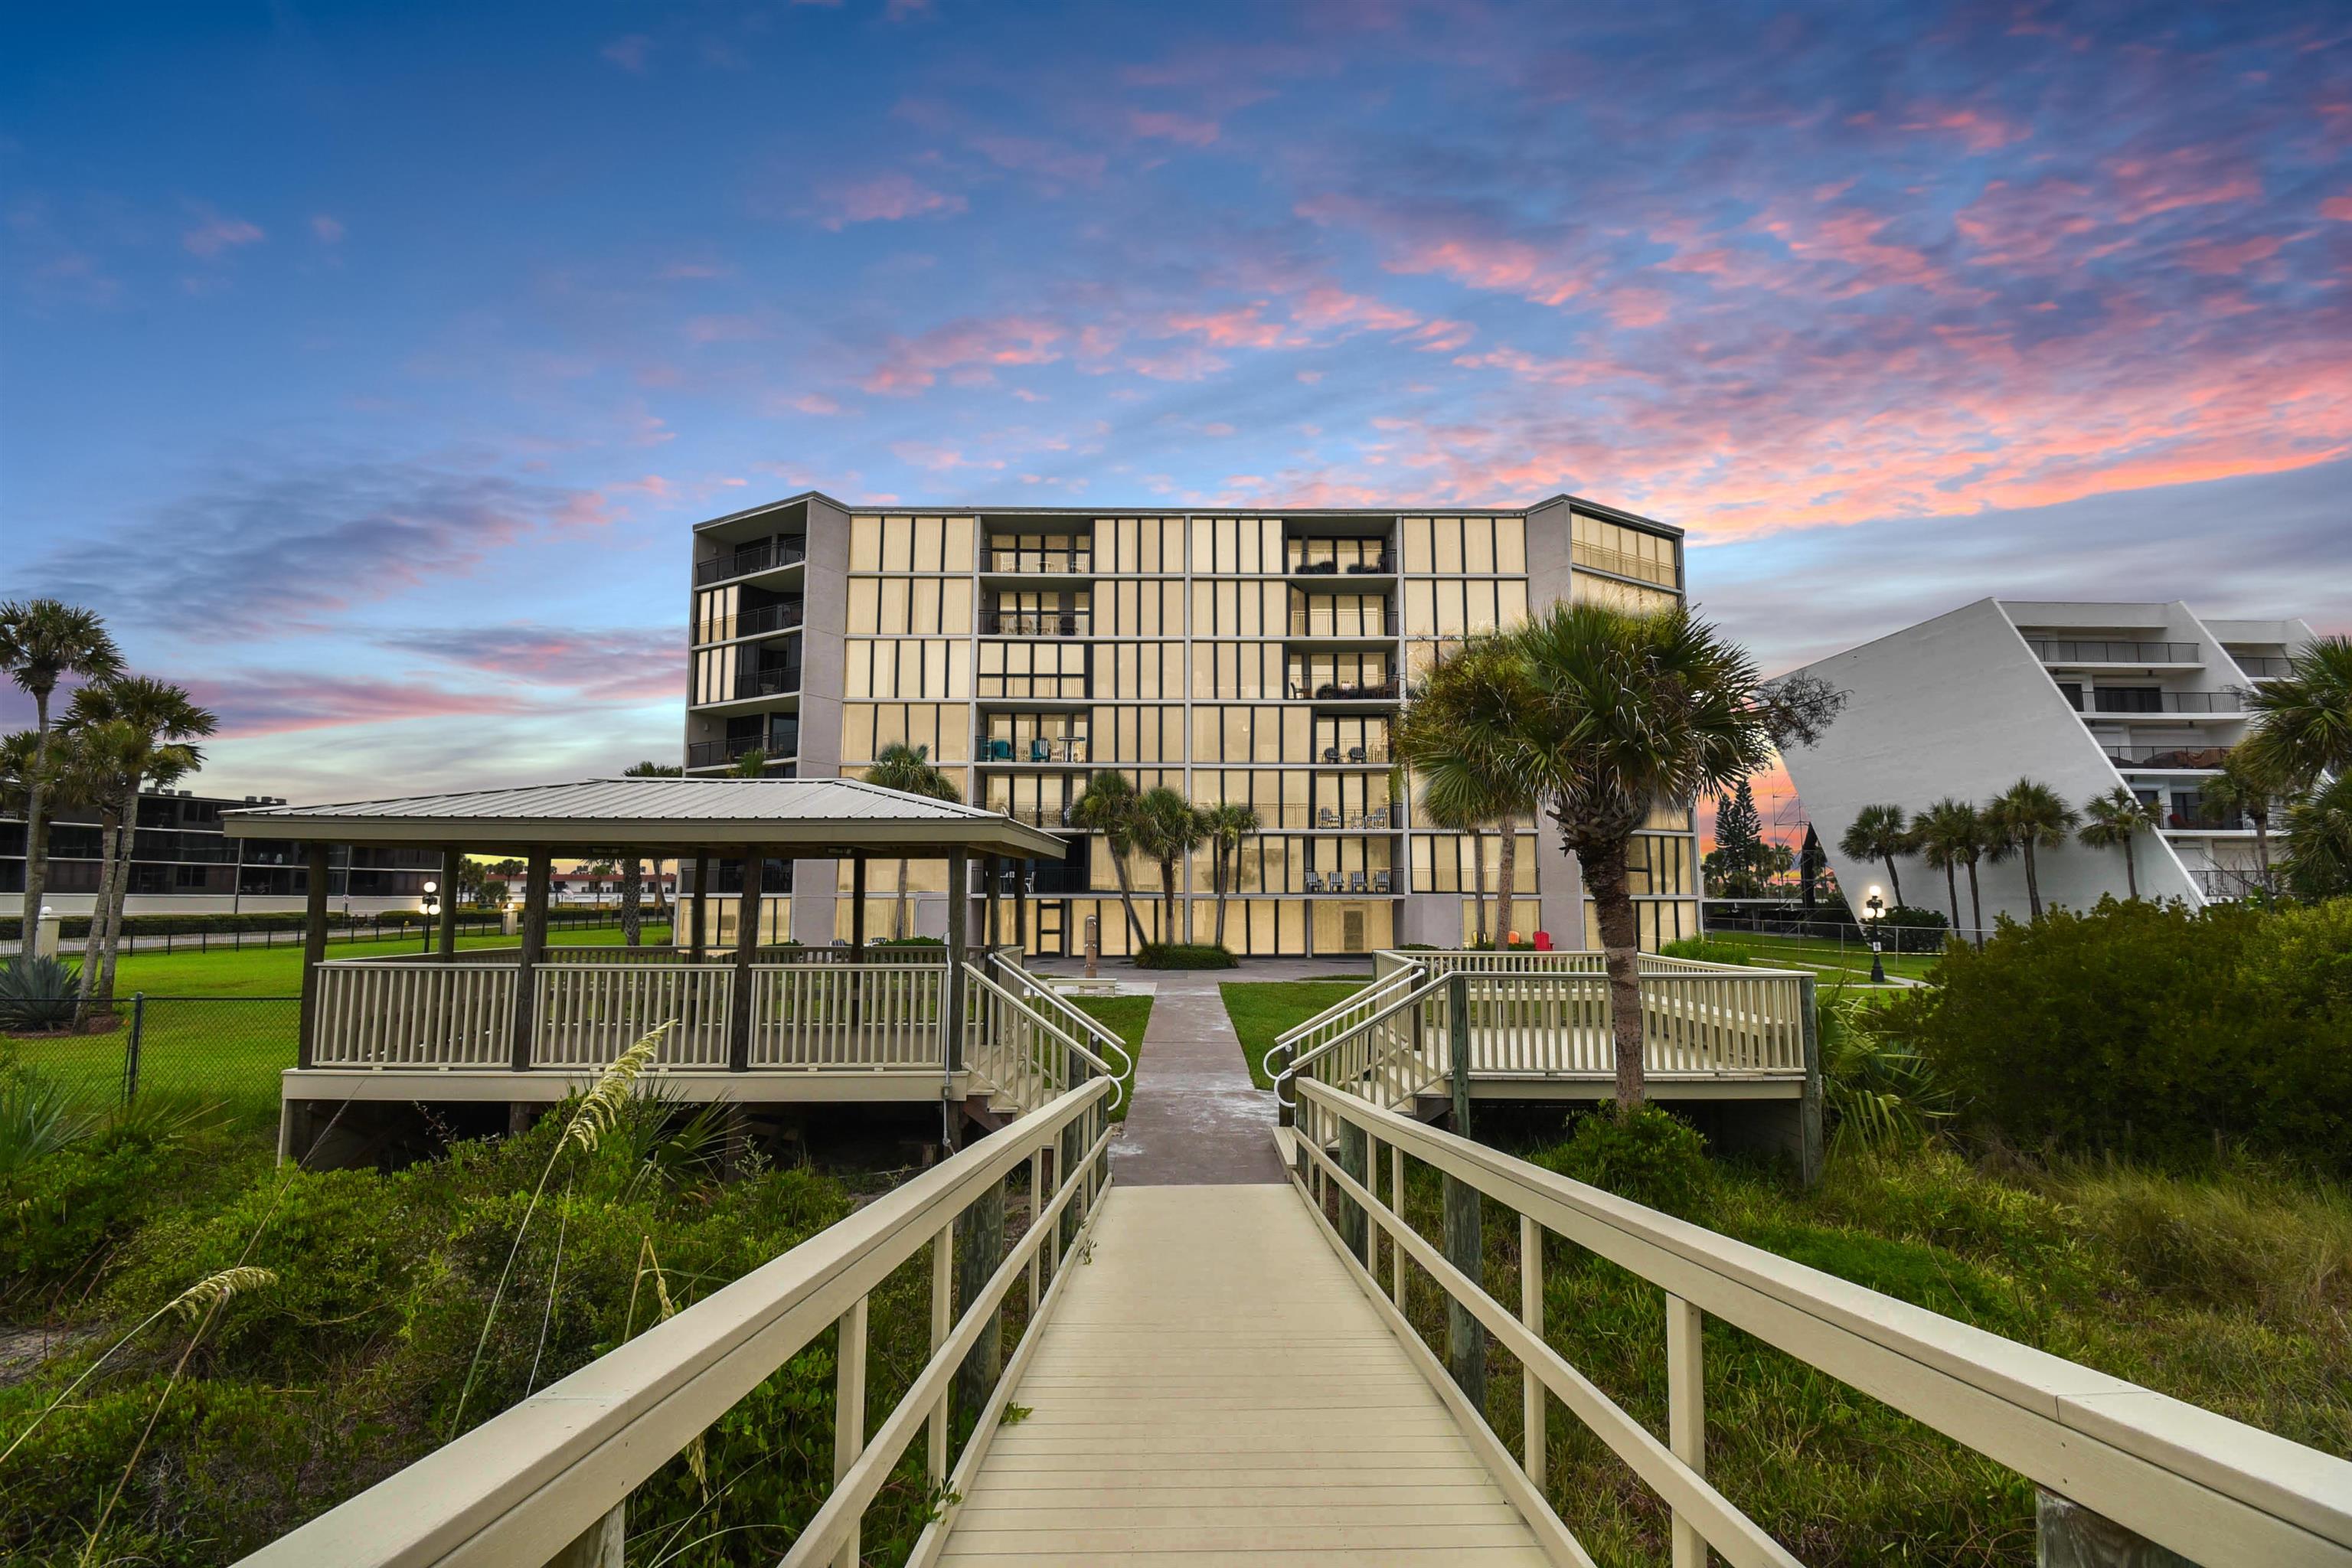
2050,652
1034,749
1341,691
2168,758
763,556
1016,561
719,753
2262,665
1376,751
1327,819
1617,562
1037,623
772,681
766,619
1376,566
2204,821
1343,623
2127,702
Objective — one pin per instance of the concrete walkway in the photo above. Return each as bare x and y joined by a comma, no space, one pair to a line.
1197,1119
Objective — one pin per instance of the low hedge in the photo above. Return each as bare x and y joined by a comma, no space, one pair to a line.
1183,955
286,920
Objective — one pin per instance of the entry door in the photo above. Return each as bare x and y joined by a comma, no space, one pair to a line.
1351,930
1047,940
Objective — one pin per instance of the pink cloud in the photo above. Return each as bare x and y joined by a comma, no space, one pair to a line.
215,235
1189,130
1241,327
1325,306
2336,207
913,363
2220,258
2183,178
1980,130
886,199
815,402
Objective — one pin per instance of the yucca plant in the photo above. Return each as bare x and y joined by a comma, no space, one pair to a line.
38,1117
1879,1096
37,993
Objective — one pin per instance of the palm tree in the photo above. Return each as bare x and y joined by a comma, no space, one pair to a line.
909,770
633,867
1949,835
2242,788
2112,821
140,728
1470,690
1604,716
1167,828
1107,807
2320,842
41,642
2028,816
751,764
1879,833
1228,825
2303,721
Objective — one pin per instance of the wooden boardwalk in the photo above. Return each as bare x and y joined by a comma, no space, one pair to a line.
1214,1388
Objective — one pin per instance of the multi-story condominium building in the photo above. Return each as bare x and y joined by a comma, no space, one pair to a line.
1248,656
2082,697
182,863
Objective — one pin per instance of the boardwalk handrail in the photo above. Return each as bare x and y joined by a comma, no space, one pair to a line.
1030,987
523,1485
1360,1056
1019,1067
2202,1485
1327,1024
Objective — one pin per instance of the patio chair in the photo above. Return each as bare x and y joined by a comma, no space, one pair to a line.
1355,883
1355,754
1314,883
1379,881
1377,818
1041,750
1331,753
1326,819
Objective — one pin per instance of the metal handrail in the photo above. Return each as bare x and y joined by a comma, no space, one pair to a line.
1103,1037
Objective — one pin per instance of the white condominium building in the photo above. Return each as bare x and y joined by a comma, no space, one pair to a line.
2079,696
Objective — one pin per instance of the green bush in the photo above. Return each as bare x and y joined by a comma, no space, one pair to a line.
1644,1155
1911,929
2154,1031
37,993
1708,950
1182,955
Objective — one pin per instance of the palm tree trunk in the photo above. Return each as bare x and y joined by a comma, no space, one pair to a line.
632,893
1976,906
1507,868
95,938
1895,881
1952,886
127,838
1168,901
2033,884
898,913
1621,941
1218,870
1478,880
2262,846
1126,896
37,827
2131,870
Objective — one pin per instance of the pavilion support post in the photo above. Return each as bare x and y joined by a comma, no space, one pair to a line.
747,947
698,926
857,908
314,951
451,861
993,928
1020,906
537,870
951,1007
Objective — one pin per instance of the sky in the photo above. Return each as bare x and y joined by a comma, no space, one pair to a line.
367,365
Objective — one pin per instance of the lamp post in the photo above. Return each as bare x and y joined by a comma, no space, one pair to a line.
430,904
1876,907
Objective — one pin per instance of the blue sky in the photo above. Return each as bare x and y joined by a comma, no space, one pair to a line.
368,364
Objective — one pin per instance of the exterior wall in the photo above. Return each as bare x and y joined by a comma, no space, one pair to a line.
1968,703
1155,590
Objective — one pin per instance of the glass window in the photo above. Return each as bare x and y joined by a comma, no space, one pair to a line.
1511,545
898,545
955,553
1445,534
865,544
1477,545
1418,556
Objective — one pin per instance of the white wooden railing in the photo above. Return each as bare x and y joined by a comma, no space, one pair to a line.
1070,1018
413,1015
875,1016
523,1486
2211,1489
588,1014
1027,1056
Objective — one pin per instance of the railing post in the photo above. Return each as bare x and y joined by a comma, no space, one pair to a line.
532,955
951,988
1355,1225
602,1545
1396,1204
978,1251
849,1417
314,951
131,1048
2069,1535
1531,1313
943,1324
1457,1007
747,947
1685,1414
1809,1107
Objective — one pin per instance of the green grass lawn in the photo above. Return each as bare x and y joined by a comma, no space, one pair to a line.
278,971
1262,1009
1849,963
1126,1016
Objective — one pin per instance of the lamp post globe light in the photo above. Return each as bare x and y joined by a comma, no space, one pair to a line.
431,904
1876,908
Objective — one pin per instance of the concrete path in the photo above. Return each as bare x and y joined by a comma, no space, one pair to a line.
1197,1120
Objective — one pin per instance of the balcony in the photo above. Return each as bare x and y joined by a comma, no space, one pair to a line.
1041,879
1034,749
1343,623
1380,565
1296,690
2263,666
1617,563
760,622
2112,652
1037,623
1055,816
1358,884
766,555
1024,562
2168,759
2126,704
1370,754
2204,820
720,753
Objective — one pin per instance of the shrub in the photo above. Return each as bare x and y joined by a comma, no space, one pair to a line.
2149,1030
1708,950
1911,929
1644,1155
38,1117
1879,1095
37,993
1182,955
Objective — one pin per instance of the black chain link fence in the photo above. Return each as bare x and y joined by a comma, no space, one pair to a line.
223,1051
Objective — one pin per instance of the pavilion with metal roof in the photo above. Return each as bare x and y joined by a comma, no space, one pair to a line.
490,1023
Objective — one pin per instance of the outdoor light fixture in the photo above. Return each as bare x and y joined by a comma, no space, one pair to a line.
431,904
1876,907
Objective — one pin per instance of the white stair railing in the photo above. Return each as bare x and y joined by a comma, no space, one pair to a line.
1060,1008
1020,1052
1341,1018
